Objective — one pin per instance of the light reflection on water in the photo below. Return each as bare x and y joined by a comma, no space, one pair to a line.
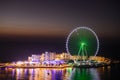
84,74
50,74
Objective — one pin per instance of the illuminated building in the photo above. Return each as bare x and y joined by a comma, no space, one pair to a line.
52,56
42,57
34,58
52,59
65,56
47,56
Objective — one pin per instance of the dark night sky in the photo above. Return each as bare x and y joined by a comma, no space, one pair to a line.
34,26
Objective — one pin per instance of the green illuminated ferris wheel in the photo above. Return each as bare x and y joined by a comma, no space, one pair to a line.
82,41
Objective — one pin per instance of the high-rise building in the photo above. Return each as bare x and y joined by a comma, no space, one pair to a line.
35,58
52,55
47,56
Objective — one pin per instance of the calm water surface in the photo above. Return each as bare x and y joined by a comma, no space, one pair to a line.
101,73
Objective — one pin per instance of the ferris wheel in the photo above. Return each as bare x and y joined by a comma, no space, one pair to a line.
82,41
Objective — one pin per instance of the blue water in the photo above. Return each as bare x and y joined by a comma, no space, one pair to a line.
101,73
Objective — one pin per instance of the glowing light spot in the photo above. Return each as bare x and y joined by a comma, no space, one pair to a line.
83,44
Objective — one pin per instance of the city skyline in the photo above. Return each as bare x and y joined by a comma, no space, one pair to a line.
35,26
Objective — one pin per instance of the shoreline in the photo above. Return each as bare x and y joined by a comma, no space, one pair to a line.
64,66
81,66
